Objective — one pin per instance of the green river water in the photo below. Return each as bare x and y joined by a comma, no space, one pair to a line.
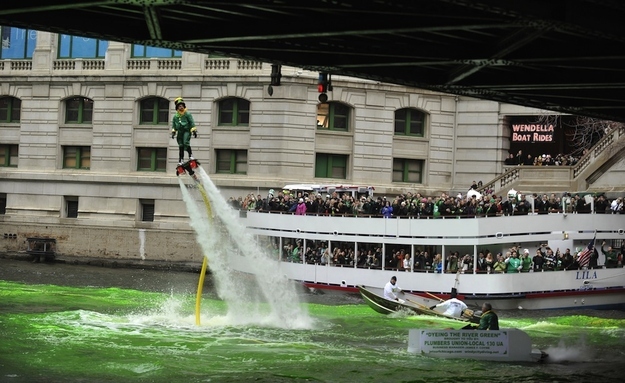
85,324
91,332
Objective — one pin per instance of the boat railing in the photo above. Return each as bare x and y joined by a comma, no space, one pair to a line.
446,271
424,216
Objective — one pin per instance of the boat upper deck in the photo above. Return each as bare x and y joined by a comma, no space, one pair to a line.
539,228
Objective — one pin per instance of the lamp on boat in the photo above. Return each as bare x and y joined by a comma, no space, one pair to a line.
565,235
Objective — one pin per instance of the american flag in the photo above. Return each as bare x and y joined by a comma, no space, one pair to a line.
583,258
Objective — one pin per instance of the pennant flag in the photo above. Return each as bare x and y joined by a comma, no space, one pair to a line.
583,257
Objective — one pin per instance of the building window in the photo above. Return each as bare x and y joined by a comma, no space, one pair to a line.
154,111
231,161
74,47
152,159
331,166
409,122
76,157
333,116
3,204
10,109
9,155
407,170
147,210
71,207
143,51
17,43
234,111
78,110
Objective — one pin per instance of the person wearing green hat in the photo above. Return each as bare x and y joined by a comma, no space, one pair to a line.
182,127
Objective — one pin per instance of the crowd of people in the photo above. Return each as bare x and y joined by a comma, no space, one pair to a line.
417,205
541,160
514,260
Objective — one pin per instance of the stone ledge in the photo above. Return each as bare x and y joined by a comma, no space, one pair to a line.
192,267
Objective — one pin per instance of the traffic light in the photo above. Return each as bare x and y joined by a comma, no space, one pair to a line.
323,86
323,83
276,74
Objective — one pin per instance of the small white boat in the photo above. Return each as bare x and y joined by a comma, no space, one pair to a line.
416,304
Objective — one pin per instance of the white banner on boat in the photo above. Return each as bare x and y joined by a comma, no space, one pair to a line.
461,343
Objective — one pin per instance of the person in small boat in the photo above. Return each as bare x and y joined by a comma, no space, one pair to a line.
489,319
453,306
391,289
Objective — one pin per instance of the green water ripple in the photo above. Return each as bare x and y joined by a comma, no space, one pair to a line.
68,334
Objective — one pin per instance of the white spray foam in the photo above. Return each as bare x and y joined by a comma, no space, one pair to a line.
265,297
578,352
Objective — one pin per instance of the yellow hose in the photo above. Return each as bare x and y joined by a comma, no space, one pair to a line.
200,285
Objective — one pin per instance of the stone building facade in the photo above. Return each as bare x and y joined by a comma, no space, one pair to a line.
84,165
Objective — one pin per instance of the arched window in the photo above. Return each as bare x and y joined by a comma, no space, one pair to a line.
78,110
333,116
154,111
410,122
10,109
234,111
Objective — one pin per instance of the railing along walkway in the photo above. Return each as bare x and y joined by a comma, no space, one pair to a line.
512,175
610,138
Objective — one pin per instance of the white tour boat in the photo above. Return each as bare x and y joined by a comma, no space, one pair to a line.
592,288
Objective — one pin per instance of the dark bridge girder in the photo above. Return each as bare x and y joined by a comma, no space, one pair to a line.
566,56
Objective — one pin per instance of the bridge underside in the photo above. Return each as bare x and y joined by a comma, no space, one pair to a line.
565,56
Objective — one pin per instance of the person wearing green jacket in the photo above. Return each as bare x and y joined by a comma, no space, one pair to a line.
514,263
182,127
489,319
611,258
526,261
500,265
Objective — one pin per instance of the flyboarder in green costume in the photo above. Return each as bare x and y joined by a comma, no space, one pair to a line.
182,126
